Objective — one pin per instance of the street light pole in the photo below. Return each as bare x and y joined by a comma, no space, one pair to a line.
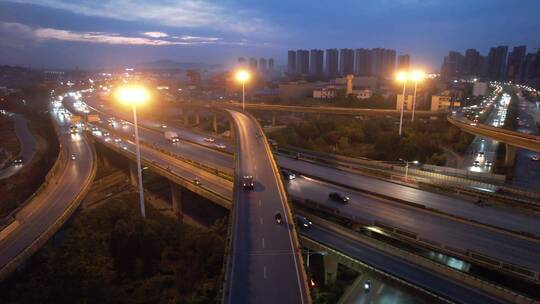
402,107
139,171
243,96
414,99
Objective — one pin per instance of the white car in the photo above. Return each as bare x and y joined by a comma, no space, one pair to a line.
117,140
209,139
221,146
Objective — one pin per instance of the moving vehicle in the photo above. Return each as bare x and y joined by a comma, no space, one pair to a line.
339,197
303,222
117,140
288,175
18,161
535,158
277,217
172,136
367,285
73,157
247,182
197,181
73,129
209,139
221,146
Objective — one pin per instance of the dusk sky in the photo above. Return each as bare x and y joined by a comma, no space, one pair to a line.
91,33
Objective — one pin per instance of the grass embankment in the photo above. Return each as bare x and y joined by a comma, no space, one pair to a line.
10,146
111,255
17,188
375,138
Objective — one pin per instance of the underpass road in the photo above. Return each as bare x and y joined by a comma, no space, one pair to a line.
390,264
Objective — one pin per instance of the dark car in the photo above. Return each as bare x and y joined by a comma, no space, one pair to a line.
288,175
247,182
339,197
303,222
18,161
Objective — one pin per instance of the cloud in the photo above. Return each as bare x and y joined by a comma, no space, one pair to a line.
196,38
174,13
156,34
11,31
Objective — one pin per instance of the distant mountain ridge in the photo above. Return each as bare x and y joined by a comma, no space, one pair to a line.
165,64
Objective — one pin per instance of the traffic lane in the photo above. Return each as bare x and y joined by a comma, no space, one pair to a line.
390,264
500,217
50,204
207,179
27,142
450,232
263,256
185,134
214,159
527,171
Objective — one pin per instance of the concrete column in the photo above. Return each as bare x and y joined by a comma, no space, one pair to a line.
176,195
197,118
273,119
510,155
186,117
133,174
231,128
330,269
214,122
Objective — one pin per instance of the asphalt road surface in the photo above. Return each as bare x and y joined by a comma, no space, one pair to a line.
28,145
412,273
49,205
264,263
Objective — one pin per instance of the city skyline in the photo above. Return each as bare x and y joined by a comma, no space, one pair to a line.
55,33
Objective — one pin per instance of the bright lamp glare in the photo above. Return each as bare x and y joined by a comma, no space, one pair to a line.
417,75
134,95
401,76
242,76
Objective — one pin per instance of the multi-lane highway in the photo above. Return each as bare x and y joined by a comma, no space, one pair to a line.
51,206
430,226
265,265
527,169
27,142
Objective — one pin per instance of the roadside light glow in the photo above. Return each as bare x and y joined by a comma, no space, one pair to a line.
242,75
402,76
134,95
417,75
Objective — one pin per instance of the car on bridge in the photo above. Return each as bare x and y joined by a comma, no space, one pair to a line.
288,175
339,197
209,139
247,182
303,221
535,158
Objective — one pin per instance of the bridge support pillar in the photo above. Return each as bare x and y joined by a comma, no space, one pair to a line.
273,119
185,114
231,128
133,174
197,118
510,155
330,269
214,122
176,195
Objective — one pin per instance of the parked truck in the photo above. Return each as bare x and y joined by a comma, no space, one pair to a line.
172,136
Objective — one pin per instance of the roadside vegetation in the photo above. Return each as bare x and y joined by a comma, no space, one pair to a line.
109,254
10,146
375,138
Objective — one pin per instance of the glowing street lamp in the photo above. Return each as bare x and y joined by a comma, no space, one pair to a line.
243,76
407,166
416,76
134,96
402,77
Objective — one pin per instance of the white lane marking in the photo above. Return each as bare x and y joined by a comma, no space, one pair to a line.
380,288
263,243
261,220
264,272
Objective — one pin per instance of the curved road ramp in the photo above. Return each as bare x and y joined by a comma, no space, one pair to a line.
265,262
29,227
